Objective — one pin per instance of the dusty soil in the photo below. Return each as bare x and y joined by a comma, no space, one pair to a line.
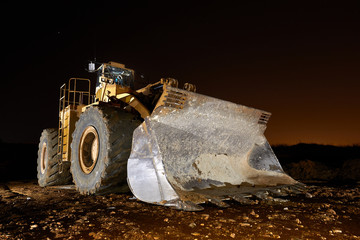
28,211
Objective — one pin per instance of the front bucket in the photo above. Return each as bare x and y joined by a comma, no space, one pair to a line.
197,148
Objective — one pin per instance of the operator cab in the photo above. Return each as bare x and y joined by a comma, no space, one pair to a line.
114,74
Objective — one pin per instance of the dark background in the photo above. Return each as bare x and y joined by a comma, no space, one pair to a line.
296,59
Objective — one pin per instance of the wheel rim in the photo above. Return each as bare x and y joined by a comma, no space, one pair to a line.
89,149
43,158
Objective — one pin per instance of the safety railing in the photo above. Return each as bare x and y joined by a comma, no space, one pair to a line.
72,94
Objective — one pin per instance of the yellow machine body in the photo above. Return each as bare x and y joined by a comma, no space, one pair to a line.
181,148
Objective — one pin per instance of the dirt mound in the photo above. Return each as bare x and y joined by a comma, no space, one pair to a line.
310,170
313,170
351,170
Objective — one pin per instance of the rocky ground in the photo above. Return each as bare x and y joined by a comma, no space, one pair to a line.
30,212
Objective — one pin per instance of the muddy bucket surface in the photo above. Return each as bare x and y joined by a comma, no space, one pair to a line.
197,148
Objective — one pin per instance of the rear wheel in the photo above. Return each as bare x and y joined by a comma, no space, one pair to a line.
100,149
47,163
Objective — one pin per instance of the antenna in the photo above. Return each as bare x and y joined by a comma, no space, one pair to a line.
94,42
91,66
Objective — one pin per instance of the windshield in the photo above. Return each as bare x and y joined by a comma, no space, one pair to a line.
120,76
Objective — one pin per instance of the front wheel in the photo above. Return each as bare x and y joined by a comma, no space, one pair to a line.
100,149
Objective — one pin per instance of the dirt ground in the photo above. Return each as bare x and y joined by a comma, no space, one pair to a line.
28,211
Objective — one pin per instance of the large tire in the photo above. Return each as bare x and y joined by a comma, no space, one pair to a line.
100,149
47,163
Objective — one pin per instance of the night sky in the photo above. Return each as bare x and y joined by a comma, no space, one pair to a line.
298,60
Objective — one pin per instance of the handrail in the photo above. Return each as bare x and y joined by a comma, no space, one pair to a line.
71,95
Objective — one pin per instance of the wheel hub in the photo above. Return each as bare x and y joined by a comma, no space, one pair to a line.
43,158
89,149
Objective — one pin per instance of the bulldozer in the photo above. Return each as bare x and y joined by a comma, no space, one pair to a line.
168,145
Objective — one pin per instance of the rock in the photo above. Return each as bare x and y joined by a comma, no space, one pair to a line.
327,218
244,224
192,225
308,195
280,200
298,221
205,216
33,226
232,235
195,234
331,211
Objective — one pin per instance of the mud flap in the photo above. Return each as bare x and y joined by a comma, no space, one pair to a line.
196,148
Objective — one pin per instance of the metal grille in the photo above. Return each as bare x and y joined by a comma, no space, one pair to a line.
175,99
264,118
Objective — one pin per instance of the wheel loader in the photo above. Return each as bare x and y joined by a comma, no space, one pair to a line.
170,146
